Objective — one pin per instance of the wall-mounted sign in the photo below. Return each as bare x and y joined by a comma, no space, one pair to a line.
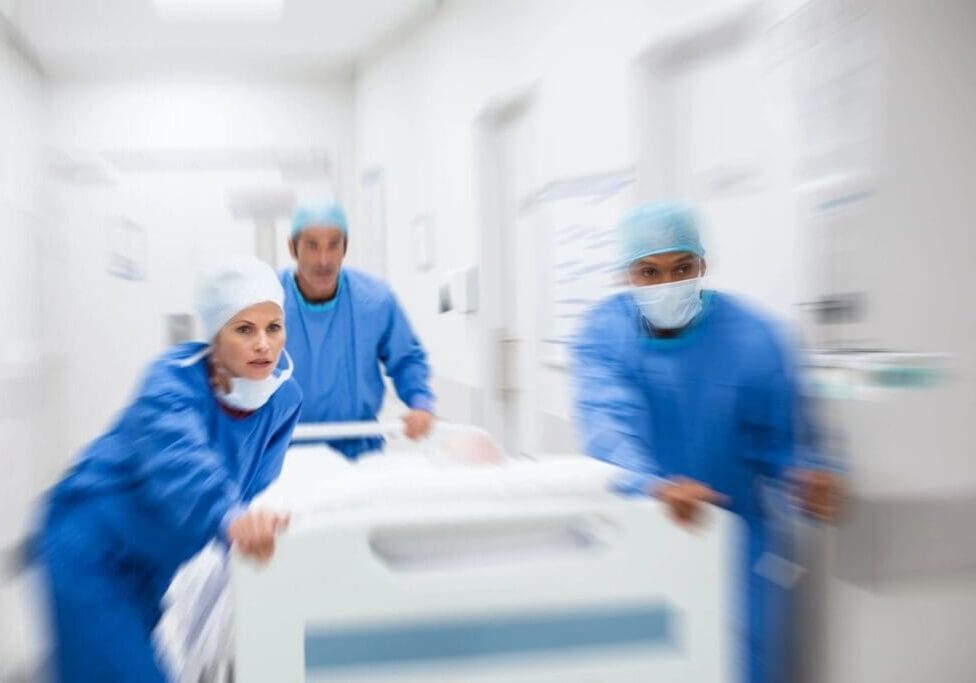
127,249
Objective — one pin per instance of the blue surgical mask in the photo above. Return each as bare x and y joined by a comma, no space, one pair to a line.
670,306
250,394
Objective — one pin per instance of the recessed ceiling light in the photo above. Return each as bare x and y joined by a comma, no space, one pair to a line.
220,10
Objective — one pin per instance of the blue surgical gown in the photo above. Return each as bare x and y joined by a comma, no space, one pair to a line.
338,347
142,499
717,403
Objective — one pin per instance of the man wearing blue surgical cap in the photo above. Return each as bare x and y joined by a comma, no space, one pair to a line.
343,324
694,393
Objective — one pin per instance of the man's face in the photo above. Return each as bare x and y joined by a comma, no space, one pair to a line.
661,269
319,252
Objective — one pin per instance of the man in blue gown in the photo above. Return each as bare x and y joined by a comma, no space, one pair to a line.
342,325
696,394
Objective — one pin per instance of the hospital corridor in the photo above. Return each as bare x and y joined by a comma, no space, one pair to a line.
487,341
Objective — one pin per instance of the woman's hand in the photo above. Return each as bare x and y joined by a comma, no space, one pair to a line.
254,533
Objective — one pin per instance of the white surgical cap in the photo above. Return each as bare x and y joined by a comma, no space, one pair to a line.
228,289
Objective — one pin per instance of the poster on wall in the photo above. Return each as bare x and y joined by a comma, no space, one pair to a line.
825,58
580,257
127,248
373,195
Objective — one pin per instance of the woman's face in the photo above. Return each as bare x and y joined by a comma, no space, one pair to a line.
249,345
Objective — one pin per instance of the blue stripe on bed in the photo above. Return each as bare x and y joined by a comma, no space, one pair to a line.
457,639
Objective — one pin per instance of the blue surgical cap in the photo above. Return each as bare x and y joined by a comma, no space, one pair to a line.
658,228
322,215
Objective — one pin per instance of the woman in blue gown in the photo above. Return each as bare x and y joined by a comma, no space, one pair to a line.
205,432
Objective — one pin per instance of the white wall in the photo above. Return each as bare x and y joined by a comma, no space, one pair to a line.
912,245
921,221
417,109
416,112
108,328
21,361
77,338
21,116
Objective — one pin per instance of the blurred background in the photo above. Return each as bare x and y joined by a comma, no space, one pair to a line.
484,150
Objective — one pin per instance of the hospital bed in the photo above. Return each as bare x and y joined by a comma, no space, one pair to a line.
427,564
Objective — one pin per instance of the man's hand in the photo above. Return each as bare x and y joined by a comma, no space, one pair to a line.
417,424
254,532
820,494
685,499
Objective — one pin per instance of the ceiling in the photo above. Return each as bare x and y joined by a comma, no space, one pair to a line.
99,38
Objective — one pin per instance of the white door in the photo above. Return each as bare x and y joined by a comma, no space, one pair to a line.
719,142
526,329
510,279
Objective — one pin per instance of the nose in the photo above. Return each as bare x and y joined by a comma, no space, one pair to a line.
323,258
261,342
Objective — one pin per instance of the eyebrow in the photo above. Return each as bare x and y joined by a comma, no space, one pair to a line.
690,258
245,321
